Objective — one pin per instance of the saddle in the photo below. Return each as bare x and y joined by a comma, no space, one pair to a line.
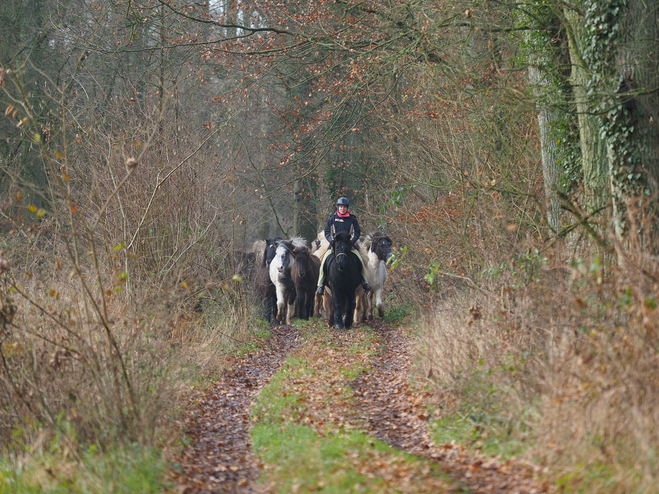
330,258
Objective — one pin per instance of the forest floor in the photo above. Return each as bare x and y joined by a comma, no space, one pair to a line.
333,411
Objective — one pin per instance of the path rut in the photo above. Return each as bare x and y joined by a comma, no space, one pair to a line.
219,458
397,416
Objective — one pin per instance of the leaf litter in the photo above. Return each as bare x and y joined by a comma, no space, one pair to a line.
396,414
352,381
219,457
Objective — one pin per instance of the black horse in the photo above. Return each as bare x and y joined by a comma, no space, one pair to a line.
305,275
344,276
264,251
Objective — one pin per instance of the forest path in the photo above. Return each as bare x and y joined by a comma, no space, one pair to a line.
341,415
219,457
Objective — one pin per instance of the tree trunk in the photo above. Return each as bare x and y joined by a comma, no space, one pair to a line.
551,167
634,140
593,149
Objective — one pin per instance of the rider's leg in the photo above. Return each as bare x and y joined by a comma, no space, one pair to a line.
321,275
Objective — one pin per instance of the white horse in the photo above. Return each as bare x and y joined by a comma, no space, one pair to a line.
280,275
376,251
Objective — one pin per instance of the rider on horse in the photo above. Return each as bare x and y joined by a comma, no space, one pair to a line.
342,221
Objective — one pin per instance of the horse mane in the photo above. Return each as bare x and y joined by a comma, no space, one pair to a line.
366,243
301,249
375,237
259,251
320,245
298,242
343,237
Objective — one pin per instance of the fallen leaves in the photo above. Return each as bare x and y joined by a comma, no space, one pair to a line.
219,456
345,381
397,415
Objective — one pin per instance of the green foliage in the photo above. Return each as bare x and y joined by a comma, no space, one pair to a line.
568,153
612,95
588,478
396,313
397,257
396,198
545,45
132,469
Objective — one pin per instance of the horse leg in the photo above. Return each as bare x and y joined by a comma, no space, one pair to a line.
370,305
360,299
268,309
379,303
328,307
338,311
273,307
291,309
309,304
350,309
301,305
318,306
281,303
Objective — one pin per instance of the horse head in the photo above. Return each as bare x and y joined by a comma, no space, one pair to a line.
301,251
284,251
301,259
381,246
271,249
342,245
282,259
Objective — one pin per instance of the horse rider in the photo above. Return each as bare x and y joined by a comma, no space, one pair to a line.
342,221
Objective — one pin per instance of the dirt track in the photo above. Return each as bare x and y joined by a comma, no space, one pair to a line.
220,459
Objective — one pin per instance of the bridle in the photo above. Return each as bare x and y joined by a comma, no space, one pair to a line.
338,254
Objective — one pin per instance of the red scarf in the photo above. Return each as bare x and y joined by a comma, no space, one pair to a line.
342,215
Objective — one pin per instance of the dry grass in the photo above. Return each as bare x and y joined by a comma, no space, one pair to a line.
107,361
567,362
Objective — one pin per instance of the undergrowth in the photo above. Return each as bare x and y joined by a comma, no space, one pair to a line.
557,368
56,469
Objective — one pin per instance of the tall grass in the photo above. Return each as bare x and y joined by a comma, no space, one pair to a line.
561,366
116,280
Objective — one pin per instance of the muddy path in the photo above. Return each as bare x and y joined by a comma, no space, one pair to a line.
219,457
397,415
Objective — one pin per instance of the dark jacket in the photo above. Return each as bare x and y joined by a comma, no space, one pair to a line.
342,225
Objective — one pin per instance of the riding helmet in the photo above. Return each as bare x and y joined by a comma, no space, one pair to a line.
342,201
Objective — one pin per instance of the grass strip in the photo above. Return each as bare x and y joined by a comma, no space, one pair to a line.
308,436
125,469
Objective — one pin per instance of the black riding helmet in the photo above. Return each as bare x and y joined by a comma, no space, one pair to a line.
343,201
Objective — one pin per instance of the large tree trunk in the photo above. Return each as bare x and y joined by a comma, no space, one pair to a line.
551,165
632,136
593,149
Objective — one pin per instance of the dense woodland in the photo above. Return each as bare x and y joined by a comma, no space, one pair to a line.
509,149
